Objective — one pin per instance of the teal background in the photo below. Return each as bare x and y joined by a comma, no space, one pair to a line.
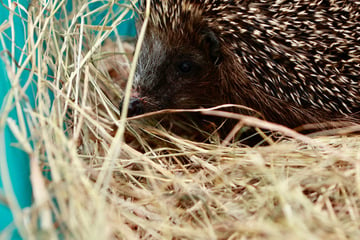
17,160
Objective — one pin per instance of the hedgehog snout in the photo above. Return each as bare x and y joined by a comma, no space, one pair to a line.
136,107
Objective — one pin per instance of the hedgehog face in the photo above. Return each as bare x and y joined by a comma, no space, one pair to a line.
178,74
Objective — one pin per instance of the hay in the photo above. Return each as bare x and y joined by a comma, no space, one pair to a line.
155,184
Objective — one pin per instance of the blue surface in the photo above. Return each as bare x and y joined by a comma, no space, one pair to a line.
126,28
17,160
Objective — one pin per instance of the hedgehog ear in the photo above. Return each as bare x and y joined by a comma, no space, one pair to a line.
213,44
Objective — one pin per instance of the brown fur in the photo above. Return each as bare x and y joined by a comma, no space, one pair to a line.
236,61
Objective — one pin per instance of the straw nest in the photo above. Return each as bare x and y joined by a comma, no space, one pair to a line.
96,176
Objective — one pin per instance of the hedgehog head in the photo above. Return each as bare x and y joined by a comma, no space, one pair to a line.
179,61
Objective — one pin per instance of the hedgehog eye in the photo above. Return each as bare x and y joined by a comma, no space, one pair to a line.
185,66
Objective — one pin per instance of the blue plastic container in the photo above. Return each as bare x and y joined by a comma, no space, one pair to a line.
14,163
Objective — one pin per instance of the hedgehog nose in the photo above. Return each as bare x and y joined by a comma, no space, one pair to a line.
136,107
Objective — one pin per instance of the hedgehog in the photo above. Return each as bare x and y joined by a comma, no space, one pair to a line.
294,61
